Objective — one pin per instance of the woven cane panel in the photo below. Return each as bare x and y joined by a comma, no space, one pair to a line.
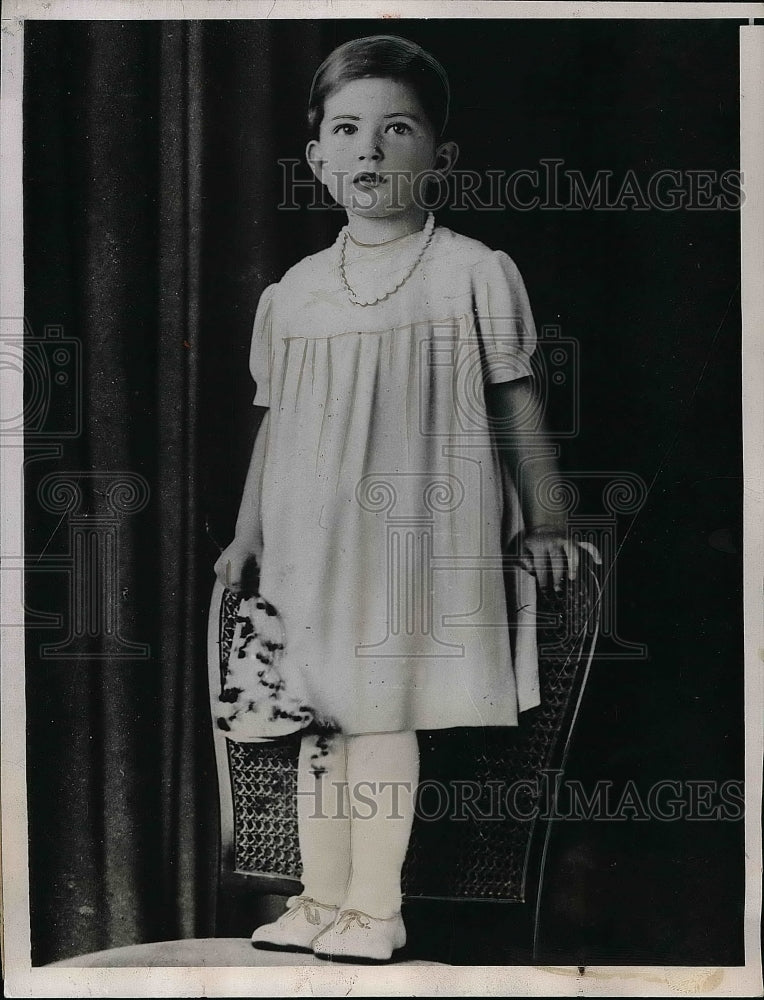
228,611
264,783
475,850
483,855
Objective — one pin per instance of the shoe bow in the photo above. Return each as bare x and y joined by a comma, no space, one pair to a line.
309,908
351,917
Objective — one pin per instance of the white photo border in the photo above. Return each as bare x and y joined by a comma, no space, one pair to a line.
21,979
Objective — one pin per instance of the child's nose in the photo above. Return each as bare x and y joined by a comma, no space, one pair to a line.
371,147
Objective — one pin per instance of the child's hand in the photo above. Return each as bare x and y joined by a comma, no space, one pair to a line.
550,555
230,566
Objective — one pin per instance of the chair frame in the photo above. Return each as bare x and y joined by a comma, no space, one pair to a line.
527,906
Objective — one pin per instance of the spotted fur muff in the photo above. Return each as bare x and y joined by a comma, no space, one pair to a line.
255,701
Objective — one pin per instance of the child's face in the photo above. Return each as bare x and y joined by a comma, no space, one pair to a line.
375,141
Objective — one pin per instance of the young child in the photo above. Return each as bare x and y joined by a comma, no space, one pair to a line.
394,467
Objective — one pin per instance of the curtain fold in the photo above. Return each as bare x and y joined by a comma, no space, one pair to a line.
150,231
180,234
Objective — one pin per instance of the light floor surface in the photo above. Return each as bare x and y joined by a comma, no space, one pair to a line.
199,952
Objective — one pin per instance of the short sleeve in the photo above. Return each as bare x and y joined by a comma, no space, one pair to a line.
261,351
504,319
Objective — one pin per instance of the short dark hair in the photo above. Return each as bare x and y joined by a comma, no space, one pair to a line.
387,57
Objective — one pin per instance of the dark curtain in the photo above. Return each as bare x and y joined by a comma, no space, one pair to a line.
147,166
151,227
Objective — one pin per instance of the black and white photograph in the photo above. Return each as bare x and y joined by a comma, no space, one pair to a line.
382,498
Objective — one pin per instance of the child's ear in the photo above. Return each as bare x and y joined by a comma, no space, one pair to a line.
313,156
446,156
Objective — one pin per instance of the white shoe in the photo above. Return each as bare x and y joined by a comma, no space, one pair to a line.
357,937
295,929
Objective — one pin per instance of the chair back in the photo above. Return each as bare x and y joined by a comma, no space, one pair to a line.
487,796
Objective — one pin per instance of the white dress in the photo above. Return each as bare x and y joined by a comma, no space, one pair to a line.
381,502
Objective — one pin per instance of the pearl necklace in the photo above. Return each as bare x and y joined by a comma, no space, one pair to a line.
427,234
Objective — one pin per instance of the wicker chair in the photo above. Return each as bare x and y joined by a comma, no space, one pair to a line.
470,862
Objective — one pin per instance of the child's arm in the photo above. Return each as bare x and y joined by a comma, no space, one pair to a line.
248,539
545,536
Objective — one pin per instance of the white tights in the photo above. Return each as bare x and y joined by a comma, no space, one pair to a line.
355,819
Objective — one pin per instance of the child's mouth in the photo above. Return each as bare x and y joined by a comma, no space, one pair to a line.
368,179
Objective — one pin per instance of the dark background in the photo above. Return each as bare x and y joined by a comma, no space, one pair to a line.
151,228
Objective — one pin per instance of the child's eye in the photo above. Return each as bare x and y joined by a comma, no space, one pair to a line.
344,129
399,128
